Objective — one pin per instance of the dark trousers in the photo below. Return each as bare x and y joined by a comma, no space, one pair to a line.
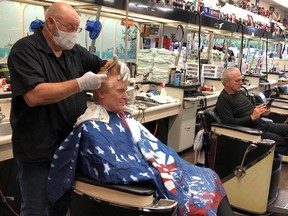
224,208
34,202
279,133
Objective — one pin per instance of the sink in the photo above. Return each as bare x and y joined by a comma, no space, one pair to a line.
148,104
5,128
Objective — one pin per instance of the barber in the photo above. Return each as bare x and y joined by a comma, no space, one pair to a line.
233,107
230,54
49,76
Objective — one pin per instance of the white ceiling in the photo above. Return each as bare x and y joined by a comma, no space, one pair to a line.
276,5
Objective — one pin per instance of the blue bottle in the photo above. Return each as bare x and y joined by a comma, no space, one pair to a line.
177,78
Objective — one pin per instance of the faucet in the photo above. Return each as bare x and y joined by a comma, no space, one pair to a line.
2,116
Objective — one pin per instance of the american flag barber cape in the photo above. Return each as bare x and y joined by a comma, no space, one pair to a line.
112,150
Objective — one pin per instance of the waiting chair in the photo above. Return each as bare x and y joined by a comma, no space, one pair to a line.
282,91
247,166
90,197
279,108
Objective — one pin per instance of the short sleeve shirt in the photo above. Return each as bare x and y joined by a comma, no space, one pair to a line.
38,131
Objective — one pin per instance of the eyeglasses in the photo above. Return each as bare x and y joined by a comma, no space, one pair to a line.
238,80
70,27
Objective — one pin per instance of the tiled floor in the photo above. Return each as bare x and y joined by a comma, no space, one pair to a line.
189,156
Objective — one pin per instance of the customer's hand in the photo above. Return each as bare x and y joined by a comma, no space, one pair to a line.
258,111
91,81
267,112
124,70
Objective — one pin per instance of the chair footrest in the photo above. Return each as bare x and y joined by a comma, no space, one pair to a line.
139,195
141,188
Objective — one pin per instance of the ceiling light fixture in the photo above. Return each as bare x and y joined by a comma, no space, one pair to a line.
282,2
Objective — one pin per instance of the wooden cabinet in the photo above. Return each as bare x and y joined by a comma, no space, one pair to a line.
182,126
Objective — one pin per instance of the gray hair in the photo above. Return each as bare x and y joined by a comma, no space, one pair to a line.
226,75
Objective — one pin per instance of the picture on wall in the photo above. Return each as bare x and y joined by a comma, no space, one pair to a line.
250,20
271,9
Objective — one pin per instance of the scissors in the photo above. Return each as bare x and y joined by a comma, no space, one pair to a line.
110,66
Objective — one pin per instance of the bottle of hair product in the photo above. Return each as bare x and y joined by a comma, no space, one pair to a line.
172,75
183,77
177,78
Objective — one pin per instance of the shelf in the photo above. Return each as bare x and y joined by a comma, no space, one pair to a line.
212,71
146,11
184,16
108,3
192,70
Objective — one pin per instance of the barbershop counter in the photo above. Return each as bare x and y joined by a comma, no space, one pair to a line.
144,114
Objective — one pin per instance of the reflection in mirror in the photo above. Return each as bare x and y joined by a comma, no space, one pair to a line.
11,23
132,32
81,37
120,40
221,55
108,32
256,60
120,35
173,36
31,13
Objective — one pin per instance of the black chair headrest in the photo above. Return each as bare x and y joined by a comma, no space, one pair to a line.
210,116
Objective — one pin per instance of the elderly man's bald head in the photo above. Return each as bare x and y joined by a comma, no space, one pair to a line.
60,10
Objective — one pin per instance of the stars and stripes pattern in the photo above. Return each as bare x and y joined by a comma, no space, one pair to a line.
113,153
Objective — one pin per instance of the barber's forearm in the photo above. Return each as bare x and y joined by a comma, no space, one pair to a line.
48,93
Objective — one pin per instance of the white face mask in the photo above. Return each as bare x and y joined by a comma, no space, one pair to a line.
66,40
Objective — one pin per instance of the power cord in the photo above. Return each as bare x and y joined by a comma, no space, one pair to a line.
143,117
141,108
156,128
4,200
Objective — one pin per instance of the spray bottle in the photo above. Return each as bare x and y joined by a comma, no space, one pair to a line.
163,93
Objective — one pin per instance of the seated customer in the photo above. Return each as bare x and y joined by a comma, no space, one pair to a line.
113,147
233,107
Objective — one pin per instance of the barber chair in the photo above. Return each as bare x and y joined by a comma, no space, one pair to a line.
90,197
279,108
247,166
283,91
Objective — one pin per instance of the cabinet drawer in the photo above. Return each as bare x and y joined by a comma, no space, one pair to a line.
190,104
